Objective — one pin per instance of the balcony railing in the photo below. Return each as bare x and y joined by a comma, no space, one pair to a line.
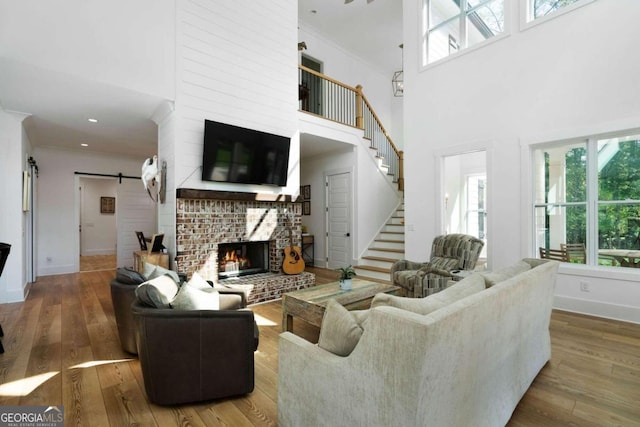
333,100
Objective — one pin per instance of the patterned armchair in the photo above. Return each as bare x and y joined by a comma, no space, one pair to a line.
448,252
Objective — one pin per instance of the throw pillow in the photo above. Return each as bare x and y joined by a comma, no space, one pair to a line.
198,282
339,331
415,305
360,316
151,271
193,298
158,292
465,287
129,276
506,273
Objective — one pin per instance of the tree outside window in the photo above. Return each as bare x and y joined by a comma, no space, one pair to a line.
589,193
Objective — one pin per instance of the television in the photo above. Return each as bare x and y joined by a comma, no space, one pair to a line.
244,156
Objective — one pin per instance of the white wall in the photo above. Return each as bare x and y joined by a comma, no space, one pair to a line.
374,197
347,68
14,147
58,212
123,43
237,64
567,77
313,170
99,235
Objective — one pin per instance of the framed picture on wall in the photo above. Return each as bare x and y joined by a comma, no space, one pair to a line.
306,192
306,208
107,205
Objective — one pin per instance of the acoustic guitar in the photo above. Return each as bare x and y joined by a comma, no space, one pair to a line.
293,262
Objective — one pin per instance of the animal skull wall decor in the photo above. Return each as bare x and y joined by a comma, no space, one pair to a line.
151,177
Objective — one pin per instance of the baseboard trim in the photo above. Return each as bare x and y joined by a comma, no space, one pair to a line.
55,270
624,313
93,252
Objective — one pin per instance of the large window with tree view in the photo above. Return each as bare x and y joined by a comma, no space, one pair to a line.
587,195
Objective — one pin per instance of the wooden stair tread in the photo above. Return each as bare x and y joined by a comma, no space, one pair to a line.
379,258
371,268
389,241
398,251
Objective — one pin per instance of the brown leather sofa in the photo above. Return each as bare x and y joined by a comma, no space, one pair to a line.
195,355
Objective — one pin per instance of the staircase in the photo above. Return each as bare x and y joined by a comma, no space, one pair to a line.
386,248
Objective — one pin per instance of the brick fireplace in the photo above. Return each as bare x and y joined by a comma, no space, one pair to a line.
205,219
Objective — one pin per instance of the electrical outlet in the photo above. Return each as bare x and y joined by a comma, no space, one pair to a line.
584,286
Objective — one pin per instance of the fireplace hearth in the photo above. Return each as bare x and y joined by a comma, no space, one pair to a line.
242,259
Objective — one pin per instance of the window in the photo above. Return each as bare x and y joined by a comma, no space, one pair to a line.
476,214
453,25
542,8
587,194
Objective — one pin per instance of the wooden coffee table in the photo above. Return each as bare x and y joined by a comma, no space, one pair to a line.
309,304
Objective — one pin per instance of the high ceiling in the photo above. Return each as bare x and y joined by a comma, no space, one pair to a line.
59,104
373,31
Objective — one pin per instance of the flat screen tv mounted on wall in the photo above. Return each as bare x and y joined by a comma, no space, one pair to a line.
244,156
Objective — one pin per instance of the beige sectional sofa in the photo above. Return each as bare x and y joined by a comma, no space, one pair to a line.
462,357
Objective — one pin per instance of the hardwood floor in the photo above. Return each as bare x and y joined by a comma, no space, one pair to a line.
62,348
97,262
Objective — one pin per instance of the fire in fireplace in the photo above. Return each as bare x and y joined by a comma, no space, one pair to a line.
242,258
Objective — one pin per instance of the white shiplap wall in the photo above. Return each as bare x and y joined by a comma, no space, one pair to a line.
236,62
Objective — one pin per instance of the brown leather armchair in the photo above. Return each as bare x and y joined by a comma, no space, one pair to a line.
195,355
123,292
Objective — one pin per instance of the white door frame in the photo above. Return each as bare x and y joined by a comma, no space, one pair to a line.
119,205
440,193
352,233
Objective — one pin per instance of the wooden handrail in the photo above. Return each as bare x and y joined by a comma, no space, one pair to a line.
345,104
327,78
377,119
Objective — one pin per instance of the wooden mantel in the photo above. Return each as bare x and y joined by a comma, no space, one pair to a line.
191,193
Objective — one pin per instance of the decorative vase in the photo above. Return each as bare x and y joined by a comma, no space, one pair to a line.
345,284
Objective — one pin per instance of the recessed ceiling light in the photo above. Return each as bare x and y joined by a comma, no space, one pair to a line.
93,120
85,145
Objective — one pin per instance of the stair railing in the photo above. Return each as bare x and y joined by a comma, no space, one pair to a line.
333,100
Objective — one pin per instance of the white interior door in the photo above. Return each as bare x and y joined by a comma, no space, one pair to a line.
338,220
135,211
